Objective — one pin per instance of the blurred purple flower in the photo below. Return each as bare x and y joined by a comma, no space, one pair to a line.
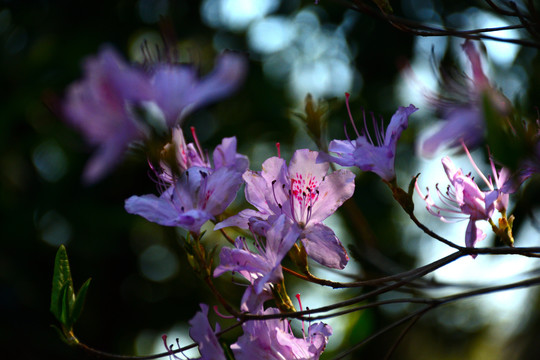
377,156
263,266
306,195
115,103
202,333
460,105
196,197
101,107
179,91
274,339
463,199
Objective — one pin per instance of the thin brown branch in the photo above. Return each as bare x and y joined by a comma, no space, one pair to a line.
420,29
401,336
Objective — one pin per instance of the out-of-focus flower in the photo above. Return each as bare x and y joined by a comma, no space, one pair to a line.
273,339
460,105
115,103
367,154
101,106
306,195
196,197
202,333
463,199
263,266
179,91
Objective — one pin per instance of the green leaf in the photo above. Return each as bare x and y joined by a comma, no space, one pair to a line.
65,305
61,282
76,310
505,135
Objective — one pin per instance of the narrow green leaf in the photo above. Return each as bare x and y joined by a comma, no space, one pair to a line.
76,310
61,277
64,306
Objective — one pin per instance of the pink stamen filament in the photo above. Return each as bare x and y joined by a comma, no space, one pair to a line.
278,146
366,129
476,167
301,309
376,129
347,95
382,131
199,148
221,315
169,348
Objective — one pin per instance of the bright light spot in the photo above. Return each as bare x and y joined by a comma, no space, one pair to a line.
50,161
321,79
419,78
157,263
502,53
417,82
235,14
271,34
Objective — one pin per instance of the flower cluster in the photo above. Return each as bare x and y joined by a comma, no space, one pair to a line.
199,193
116,104
306,195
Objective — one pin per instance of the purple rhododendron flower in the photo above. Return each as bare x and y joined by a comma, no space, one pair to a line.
196,197
306,195
262,267
103,105
191,196
464,199
273,339
179,91
202,333
377,156
460,105
100,107
189,155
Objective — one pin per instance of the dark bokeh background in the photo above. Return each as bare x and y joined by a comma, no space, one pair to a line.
42,45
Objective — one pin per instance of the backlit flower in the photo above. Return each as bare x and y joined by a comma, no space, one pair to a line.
463,199
196,197
305,194
273,339
262,266
375,154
